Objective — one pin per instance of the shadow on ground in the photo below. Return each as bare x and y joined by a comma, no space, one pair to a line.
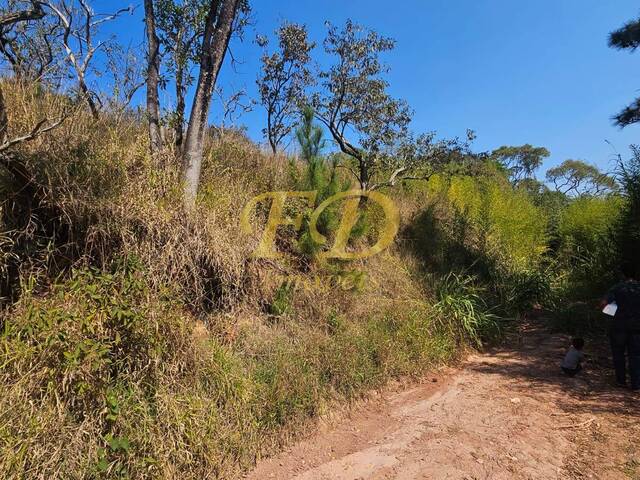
531,358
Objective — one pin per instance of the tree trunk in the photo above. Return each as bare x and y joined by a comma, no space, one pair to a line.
364,175
88,96
180,107
153,78
4,120
272,143
214,47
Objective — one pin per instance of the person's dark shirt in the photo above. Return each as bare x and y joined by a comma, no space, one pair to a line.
627,297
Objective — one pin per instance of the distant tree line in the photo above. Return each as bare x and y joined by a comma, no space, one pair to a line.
63,45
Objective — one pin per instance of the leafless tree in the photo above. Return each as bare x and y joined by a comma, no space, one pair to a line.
10,162
80,25
232,107
125,69
30,47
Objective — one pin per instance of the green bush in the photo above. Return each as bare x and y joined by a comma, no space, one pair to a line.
101,379
627,236
587,249
463,310
282,300
482,226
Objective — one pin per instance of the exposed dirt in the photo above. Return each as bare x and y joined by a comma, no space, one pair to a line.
506,414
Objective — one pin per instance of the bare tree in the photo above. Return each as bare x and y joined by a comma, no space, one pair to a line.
35,12
232,107
125,68
218,28
14,165
283,79
153,77
30,46
354,99
80,25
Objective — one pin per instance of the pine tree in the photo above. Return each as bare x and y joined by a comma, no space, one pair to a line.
309,137
627,38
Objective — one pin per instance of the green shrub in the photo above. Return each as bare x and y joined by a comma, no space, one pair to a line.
578,319
100,379
282,300
588,250
627,236
463,311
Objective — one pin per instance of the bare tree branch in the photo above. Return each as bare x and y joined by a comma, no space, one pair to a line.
36,13
42,127
85,50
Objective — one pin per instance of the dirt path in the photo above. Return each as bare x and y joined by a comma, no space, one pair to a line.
507,414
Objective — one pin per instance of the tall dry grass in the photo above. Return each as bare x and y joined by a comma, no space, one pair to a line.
143,341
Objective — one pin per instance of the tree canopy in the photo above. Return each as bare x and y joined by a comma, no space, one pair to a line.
354,100
282,80
627,38
520,162
576,177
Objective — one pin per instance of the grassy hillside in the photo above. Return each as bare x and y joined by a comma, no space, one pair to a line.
138,340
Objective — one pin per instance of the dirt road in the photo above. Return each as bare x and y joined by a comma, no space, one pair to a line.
506,414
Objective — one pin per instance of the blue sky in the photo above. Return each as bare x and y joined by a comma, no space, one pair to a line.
515,72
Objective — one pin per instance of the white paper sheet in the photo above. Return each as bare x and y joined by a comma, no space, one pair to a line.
610,309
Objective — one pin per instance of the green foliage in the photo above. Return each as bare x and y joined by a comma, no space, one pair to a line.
309,136
580,319
153,396
587,221
627,38
628,227
491,231
575,177
463,311
282,300
507,225
520,162
283,79
587,250
354,98
311,143
320,177
522,290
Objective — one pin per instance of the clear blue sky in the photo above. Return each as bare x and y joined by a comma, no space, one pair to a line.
516,72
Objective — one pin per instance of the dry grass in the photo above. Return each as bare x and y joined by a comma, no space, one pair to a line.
148,343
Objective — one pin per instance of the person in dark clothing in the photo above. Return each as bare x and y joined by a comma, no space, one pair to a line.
625,328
